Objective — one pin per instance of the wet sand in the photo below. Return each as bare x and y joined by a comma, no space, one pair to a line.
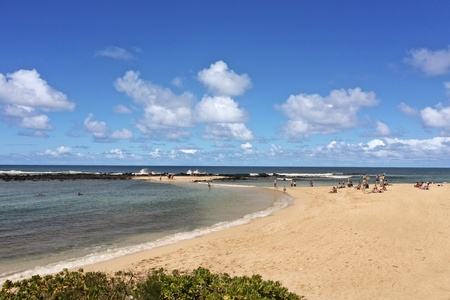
347,245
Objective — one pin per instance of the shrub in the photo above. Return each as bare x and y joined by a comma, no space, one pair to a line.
200,284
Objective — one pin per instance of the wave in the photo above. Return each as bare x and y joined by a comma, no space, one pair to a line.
228,185
112,253
313,175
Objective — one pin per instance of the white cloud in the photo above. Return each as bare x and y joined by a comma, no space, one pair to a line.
63,149
163,110
331,144
27,88
227,131
98,129
36,122
115,53
219,110
123,134
156,153
430,62
275,150
438,117
375,143
223,82
26,117
24,93
382,129
58,152
115,154
406,109
313,114
101,131
121,109
248,148
188,151
384,151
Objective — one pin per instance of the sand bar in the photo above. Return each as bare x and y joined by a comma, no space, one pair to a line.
348,245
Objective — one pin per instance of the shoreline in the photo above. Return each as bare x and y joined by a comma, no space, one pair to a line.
348,245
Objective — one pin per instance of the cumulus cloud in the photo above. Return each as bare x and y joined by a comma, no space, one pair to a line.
156,153
432,63
36,122
438,117
227,131
24,94
101,131
382,129
58,152
248,148
26,117
98,129
27,88
122,134
222,81
115,53
188,151
386,150
220,109
163,110
314,114
116,154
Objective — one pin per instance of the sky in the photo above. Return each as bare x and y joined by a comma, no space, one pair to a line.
233,83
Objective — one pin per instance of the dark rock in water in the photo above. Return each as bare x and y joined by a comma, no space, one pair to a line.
63,176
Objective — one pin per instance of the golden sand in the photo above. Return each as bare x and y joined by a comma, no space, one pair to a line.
347,245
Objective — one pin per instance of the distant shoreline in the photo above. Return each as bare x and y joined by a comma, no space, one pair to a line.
110,176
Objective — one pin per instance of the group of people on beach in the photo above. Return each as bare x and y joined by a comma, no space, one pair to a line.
379,186
423,185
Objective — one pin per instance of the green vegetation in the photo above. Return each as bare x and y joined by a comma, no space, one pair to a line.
200,284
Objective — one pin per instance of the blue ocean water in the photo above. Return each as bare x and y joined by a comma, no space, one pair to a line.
46,226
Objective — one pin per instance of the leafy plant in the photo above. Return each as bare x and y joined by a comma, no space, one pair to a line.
200,284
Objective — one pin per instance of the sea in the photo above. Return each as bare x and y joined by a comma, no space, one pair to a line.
49,225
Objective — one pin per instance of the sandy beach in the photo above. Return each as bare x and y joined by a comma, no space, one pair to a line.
346,245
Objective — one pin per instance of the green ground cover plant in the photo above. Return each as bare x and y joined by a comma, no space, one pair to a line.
159,284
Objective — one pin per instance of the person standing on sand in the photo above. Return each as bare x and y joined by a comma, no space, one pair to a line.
364,184
275,183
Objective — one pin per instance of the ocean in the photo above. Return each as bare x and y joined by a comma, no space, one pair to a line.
48,225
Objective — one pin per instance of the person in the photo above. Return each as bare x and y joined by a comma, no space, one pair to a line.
375,188
364,184
284,190
209,185
311,183
275,183
425,186
333,190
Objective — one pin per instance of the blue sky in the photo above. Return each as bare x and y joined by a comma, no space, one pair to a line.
276,83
